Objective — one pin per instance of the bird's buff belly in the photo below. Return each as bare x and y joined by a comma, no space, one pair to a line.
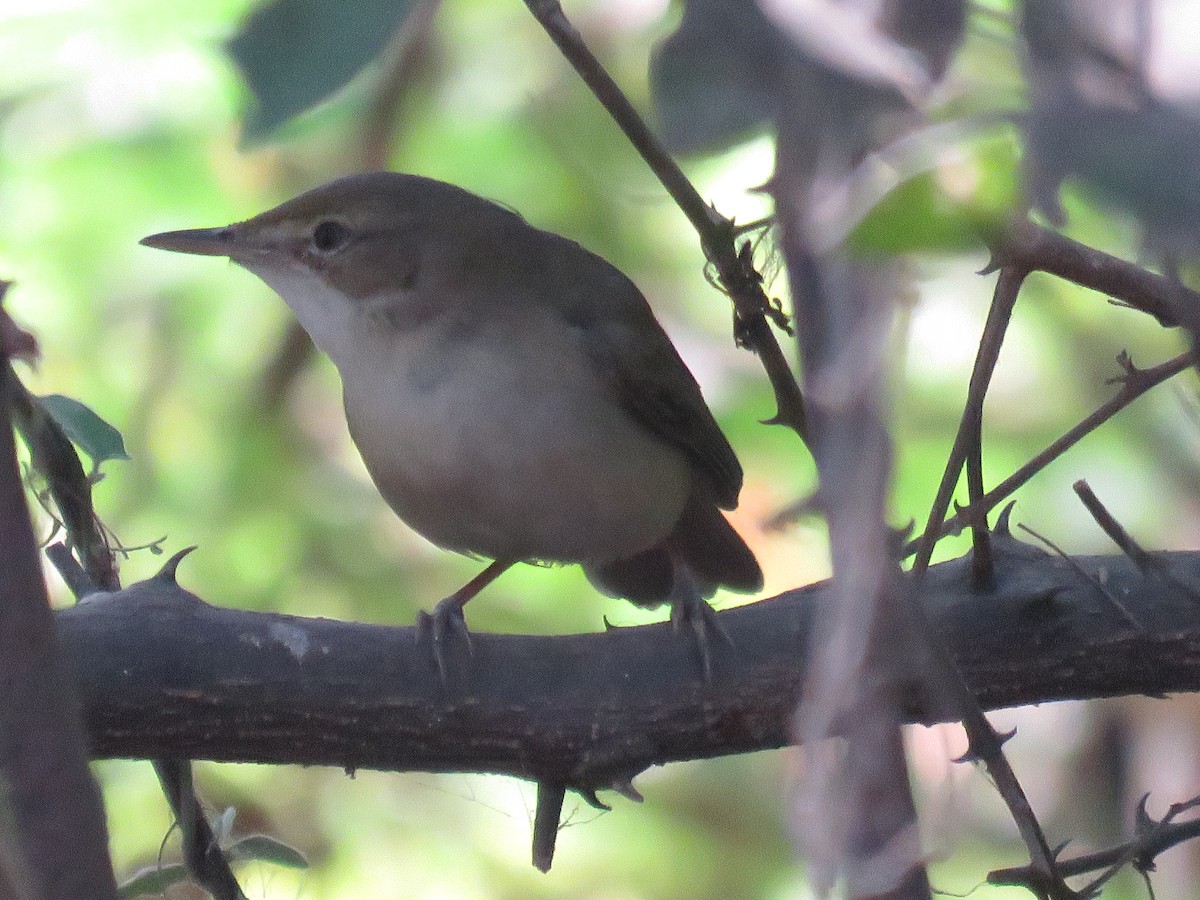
539,480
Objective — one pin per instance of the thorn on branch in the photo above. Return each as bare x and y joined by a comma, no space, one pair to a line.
973,756
1004,520
590,798
903,534
166,575
807,505
624,787
1142,821
994,264
1125,361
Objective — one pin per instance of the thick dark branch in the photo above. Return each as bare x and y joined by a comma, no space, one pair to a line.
163,674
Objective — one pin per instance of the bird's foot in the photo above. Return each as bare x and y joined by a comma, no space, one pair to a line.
446,630
690,610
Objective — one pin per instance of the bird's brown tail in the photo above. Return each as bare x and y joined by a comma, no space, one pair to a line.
703,541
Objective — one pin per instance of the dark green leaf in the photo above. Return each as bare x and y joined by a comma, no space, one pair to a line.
87,431
154,880
263,848
256,847
296,53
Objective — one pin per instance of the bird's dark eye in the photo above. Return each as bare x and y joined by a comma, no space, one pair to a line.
329,236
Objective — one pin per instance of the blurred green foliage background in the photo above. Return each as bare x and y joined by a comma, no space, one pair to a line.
119,118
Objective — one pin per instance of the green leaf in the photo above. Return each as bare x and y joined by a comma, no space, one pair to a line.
918,215
255,847
154,880
264,848
87,431
296,53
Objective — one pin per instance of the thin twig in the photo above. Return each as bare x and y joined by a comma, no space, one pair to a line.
1040,249
202,853
985,744
1148,564
983,567
1134,383
72,573
1004,299
53,455
1108,523
717,233
1144,862
1161,837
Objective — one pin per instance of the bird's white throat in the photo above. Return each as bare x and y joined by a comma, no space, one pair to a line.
324,311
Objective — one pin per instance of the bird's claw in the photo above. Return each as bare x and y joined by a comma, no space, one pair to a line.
445,628
692,611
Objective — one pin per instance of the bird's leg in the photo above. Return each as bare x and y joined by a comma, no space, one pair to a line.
447,619
689,609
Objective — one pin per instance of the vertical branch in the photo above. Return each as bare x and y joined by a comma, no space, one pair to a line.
53,837
402,66
855,812
55,457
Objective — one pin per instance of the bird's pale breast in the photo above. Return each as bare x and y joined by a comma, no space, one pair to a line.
500,439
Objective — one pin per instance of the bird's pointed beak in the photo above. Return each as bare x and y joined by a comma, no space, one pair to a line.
224,241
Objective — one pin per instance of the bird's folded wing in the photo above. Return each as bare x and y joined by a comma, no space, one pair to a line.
649,379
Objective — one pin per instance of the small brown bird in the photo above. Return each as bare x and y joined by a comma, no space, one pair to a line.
511,393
